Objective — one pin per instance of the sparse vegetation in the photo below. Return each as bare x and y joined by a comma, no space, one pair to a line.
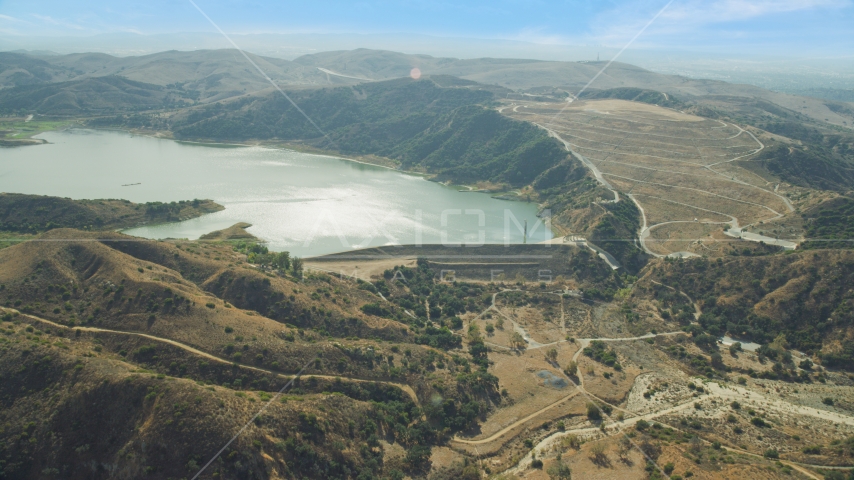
602,354
149,341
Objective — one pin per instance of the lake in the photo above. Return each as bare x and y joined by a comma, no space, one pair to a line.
306,204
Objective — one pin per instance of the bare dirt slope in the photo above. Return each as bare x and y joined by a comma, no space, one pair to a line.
679,169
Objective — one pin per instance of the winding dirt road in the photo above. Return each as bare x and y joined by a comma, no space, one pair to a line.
406,388
709,165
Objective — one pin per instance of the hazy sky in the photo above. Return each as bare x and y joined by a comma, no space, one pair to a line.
801,27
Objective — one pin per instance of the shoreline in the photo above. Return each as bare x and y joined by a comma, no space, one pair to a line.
271,146
464,188
287,147
294,148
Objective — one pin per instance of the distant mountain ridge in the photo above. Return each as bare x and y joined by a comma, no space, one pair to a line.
527,75
219,74
213,74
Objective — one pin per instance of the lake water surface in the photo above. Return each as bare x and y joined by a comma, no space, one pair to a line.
306,204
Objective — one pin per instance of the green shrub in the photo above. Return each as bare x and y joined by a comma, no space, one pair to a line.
375,309
599,352
417,457
812,450
758,422
560,471
593,412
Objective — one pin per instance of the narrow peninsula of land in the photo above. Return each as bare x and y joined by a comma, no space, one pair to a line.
30,214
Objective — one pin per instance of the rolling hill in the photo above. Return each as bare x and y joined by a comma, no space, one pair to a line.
210,75
519,74
90,96
436,124
22,69
176,340
205,75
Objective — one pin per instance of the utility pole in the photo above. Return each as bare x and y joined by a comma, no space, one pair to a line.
525,238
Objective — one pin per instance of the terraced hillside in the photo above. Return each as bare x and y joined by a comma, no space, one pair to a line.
684,172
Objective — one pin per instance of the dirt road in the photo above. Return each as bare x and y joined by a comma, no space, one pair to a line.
406,388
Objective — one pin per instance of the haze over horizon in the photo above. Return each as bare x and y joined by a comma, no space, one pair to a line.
805,28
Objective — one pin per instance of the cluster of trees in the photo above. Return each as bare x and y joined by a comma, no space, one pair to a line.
442,338
707,366
415,288
281,261
420,288
842,358
136,120
602,354
168,210
258,254
455,416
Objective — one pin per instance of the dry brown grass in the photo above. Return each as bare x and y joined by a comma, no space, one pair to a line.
95,406
659,152
200,319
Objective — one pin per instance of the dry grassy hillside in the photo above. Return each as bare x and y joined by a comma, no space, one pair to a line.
74,409
187,322
166,291
126,358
